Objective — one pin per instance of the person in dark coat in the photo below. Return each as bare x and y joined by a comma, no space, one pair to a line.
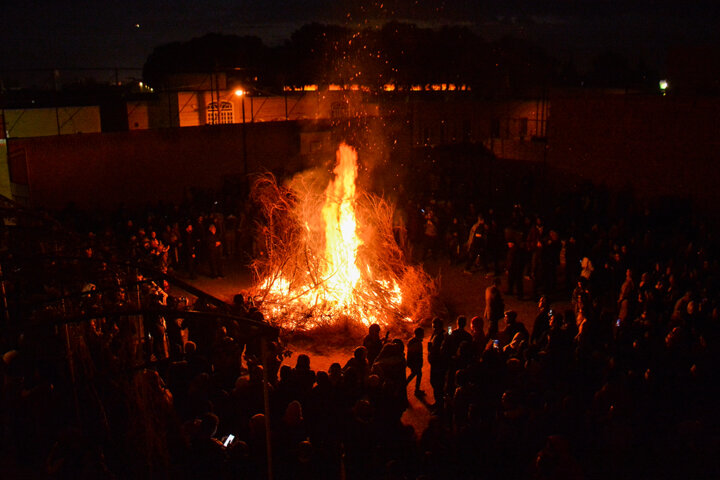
515,264
373,342
214,250
190,248
542,321
494,307
459,335
512,327
415,360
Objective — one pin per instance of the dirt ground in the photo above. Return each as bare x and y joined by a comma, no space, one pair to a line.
461,294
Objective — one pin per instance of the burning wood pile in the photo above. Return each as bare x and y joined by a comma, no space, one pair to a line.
330,256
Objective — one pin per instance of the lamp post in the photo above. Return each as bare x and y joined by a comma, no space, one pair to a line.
241,93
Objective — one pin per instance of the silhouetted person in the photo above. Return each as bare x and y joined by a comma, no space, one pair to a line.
494,307
390,366
512,327
214,250
459,335
477,245
239,308
359,364
581,295
438,363
542,321
208,453
290,432
302,378
190,249
415,360
628,297
373,342
515,264
450,349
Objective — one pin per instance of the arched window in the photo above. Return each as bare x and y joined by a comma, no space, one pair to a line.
225,114
338,110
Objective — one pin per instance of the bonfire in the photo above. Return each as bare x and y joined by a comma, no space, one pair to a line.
330,256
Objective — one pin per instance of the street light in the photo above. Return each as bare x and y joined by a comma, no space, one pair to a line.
241,93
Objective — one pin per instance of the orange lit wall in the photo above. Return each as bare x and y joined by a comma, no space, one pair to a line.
306,105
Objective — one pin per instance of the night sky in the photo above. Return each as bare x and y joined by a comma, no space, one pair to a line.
83,34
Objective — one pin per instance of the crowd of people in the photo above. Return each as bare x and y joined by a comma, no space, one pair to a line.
621,384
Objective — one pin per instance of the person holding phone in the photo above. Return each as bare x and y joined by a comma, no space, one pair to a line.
542,321
451,348
512,328
207,453
457,336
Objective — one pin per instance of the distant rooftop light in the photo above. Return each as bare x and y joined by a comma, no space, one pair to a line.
663,85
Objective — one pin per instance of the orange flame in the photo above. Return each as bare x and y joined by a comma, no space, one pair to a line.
341,240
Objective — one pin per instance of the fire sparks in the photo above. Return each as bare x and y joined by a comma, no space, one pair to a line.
387,87
334,268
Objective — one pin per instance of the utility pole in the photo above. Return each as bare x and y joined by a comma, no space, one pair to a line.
56,76
5,145
244,138
217,95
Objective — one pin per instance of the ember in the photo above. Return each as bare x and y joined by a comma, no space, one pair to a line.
330,255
